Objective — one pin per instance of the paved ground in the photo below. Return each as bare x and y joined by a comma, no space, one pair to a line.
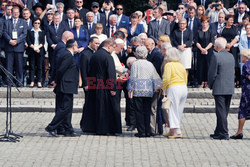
195,149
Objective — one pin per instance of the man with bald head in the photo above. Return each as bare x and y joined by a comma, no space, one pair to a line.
154,56
59,50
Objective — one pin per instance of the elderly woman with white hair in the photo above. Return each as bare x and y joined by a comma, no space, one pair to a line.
143,82
244,109
175,84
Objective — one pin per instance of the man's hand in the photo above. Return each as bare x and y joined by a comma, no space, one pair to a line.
80,50
53,46
53,84
13,42
113,93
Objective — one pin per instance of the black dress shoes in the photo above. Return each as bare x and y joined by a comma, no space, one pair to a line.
131,128
212,135
239,136
51,132
140,135
72,134
221,137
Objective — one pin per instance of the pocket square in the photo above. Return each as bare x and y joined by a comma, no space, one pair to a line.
21,27
123,21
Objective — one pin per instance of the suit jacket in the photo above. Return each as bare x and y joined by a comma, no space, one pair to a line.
83,39
154,32
67,76
29,4
101,19
45,2
1,32
54,37
92,31
84,64
155,58
236,15
187,37
214,27
173,27
110,13
21,35
29,27
31,40
207,2
243,44
196,25
107,31
124,22
221,73
59,51
139,29
67,23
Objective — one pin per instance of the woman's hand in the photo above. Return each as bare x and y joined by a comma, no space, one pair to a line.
181,47
37,51
80,50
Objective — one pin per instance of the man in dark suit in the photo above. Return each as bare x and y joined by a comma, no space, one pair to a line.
60,10
107,10
54,35
1,33
90,25
69,22
154,56
112,28
205,3
66,85
98,17
217,27
59,51
122,20
15,32
221,81
80,10
158,26
193,23
240,13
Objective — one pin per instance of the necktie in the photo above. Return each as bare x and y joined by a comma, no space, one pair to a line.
71,24
190,24
28,23
158,24
112,31
56,28
14,25
89,27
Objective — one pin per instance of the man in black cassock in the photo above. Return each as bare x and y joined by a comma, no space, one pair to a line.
100,116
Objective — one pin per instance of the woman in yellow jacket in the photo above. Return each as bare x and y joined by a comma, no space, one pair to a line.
175,84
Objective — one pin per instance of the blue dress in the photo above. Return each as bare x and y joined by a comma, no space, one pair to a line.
244,109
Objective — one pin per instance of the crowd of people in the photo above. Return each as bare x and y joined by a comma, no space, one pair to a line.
149,55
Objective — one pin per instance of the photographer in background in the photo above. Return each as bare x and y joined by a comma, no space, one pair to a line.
214,9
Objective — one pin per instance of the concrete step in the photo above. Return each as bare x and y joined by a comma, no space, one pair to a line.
193,105
202,93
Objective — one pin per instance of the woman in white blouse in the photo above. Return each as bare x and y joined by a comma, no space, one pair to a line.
99,33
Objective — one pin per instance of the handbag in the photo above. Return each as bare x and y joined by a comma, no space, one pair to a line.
166,102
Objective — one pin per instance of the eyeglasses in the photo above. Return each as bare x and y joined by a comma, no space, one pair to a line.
241,8
119,9
95,7
180,8
37,23
78,1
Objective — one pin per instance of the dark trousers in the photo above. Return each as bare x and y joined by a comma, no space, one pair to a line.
84,106
143,110
63,115
15,58
35,63
130,117
222,106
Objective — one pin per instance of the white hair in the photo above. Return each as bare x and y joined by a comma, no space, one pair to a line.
119,41
245,52
166,45
141,52
113,16
90,13
142,34
172,54
130,60
221,42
